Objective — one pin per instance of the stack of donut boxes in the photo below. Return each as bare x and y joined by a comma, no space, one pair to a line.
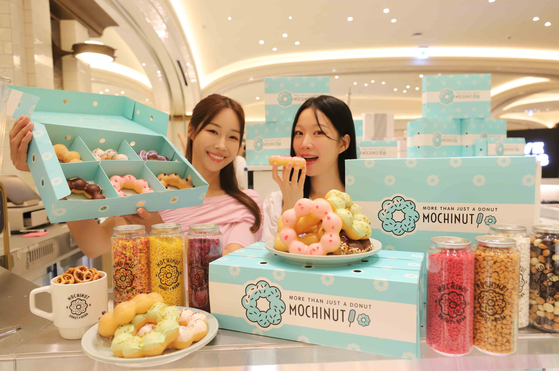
456,123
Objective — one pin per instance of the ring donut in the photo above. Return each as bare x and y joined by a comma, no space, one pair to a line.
284,160
331,225
129,182
355,225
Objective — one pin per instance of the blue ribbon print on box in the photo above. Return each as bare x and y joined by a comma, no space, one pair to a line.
414,200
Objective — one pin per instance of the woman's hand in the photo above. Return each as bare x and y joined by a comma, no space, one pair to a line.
291,190
144,218
20,136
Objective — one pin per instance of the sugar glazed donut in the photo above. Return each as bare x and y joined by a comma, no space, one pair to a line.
319,209
80,186
285,160
66,156
174,180
129,182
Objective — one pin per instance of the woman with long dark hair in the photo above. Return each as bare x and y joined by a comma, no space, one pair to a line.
214,136
324,134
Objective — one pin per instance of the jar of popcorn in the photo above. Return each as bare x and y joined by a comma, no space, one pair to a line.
544,277
496,278
522,238
450,296
203,245
166,242
130,250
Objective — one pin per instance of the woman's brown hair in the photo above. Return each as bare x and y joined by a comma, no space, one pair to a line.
202,115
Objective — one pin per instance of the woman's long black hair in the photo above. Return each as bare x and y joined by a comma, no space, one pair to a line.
340,116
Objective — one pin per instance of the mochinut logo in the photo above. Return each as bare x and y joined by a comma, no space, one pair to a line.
398,215
263,304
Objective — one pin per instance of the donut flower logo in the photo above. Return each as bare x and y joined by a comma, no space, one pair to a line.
500,149
168,275
400,227
285,98
258,144
123,278
490,220
437,139
492,302
363,320
262,290
78,307
446,96
452,304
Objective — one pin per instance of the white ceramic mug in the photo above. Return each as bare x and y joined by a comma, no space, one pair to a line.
75,307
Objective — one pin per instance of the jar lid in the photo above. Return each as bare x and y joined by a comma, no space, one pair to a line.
546,229
166,227
446,242
495,241
129,228
507,228
204,228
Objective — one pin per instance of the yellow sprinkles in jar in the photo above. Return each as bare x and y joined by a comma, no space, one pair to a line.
167,268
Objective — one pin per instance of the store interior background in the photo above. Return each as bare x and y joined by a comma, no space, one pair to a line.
172,53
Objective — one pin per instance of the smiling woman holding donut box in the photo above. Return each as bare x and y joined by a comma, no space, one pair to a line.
323,134
215,133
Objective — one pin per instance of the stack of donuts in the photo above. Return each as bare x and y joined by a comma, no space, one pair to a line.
334,225
145,326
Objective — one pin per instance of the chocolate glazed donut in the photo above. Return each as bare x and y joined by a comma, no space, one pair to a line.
91,191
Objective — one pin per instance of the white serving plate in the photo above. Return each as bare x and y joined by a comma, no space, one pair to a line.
98,347
318,260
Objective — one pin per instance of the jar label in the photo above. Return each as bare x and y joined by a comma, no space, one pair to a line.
169,274
452,303
491,300
523,271
198,278
123,278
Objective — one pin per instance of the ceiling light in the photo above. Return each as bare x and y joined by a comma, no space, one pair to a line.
147,99
395,89
491,1
535,19
284,35
257,98
421,76
366,84
229,18
349,19
143,64
274,49
407,86
116,94
290,17
93,53
158,72
297,42
122,92
107,90
422,52
547,24
93,42
188,64
386,11
372,81
333,70
101,92
261,42
393,20
530,113
383,83
516,84
336,77
405,91
355,83
416,88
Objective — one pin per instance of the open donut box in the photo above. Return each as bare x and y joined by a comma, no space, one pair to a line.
84,122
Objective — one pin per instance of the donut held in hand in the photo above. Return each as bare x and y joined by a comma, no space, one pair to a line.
285,160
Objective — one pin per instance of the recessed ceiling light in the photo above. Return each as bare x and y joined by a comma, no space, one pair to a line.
116,94
229,18
416,88
101,92
547,24
386,11
405,91
122,92
290,17
143,64
535,19
336,77
274,49
257,98
107,90
383,83
188,64
366,84
147,99
395,89
261,42
284,35
349,19
421,76
355,83
297,42
393,20
491,1
333,70
372,81
158,72
407,86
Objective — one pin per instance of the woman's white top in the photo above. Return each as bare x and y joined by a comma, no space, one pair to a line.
273,205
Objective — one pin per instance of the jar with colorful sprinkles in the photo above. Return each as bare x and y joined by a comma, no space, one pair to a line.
130,248
166,242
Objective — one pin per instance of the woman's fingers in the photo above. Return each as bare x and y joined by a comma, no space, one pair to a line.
302,177
21,158
287,173
275,174
18,125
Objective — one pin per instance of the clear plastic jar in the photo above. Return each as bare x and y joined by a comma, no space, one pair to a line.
497,271
204,245
450,296
522,238
166,245
130,248
544,277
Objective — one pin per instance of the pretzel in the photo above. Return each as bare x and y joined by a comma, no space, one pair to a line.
83,274
64,155
174,180
355,224
284,160
331,224
65,279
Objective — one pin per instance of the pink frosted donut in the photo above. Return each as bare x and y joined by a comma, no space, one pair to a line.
129,182
331,224
284,160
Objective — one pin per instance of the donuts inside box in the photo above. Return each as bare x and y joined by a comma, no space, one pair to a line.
97,156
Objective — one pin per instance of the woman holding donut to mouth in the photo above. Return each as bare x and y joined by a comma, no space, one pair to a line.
323,134
215,133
